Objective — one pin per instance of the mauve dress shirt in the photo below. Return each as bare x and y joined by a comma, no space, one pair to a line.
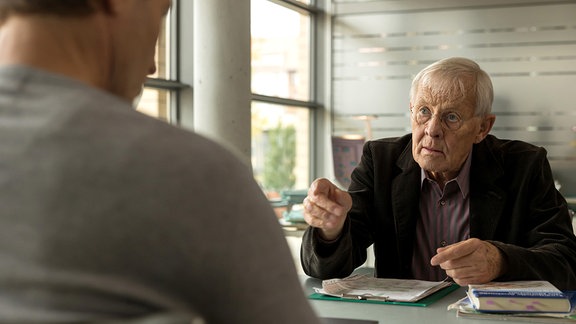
444,220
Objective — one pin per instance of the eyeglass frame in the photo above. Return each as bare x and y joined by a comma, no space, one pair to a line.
443,121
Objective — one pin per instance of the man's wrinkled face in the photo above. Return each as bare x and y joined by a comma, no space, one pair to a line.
444,127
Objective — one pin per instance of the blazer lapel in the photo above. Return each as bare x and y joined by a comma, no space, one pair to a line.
405,206
486,197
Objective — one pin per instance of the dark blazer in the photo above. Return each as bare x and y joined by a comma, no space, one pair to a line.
513,204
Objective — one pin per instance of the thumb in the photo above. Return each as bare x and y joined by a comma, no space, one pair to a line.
342,198
321,187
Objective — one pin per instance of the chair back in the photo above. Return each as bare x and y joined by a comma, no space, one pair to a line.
346,153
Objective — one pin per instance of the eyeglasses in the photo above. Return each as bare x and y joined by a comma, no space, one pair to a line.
449,120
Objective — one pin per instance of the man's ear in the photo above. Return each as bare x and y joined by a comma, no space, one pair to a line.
485,128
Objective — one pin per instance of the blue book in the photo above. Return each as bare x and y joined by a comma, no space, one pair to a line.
535,296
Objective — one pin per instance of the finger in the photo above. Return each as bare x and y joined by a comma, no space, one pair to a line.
329,204
466,280
477,267
454,251
328,196
343,199
467,276
316,216
311,215
320,186
464,272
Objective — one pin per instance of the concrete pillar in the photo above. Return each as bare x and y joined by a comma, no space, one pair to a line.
222,73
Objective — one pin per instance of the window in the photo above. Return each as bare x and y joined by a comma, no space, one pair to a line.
156,103
283,100
280,51
283,89
280,146
158,97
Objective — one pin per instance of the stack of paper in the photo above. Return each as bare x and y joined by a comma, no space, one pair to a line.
521,301
465,309
367,287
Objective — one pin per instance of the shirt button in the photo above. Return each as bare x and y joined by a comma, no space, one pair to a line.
443,243
442,202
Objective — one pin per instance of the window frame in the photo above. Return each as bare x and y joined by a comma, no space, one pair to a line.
180,76
172,83
313,103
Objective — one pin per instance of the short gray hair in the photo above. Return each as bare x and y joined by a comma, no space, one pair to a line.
454,72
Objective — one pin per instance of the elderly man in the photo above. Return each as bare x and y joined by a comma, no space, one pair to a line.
108,214
448,200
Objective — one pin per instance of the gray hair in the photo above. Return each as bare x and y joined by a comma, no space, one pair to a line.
453,73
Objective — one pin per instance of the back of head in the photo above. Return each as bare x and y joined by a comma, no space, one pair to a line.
106,44
457,76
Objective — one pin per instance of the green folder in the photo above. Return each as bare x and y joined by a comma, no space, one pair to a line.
421,303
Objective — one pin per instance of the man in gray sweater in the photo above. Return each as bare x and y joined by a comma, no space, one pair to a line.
108,214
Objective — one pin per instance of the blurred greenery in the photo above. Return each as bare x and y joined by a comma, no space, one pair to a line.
280,159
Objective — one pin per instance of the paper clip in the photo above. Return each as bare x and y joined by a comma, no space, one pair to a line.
366,297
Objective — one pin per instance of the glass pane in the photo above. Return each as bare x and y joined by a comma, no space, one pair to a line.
163,51
280,147
152,101
280,51
155,102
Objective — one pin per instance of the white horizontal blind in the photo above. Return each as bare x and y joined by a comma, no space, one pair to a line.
529,51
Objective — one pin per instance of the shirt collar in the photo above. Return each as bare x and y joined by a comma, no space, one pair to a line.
462,179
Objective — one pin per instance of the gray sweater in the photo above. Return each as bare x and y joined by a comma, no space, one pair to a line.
106,213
